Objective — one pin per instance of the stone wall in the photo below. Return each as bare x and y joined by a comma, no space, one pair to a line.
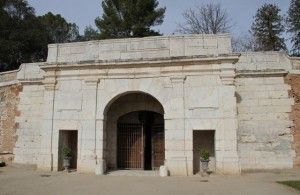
9,98
200,84
263,62
191,76
8,110
265,139
295,62
27,148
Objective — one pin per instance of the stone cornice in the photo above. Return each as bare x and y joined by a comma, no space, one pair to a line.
261,73
50,84
8,78
37,81
8,83
159,62
178,79
92,81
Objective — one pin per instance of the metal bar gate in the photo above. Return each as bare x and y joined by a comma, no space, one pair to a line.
129,146
158,146
130,149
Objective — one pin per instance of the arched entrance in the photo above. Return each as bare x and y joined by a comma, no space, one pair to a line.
134,132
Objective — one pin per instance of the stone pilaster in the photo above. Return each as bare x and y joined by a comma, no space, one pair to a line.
175,133
227,74
47,152
92,152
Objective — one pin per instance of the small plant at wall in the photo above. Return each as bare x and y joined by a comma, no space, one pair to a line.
67,153
204,155
204,159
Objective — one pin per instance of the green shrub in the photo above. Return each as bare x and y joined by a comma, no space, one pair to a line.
67,152
204,155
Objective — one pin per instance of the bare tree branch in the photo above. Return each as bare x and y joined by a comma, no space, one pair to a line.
205,19
244,43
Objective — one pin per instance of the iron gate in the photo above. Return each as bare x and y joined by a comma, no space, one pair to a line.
130,154
131,139
158,146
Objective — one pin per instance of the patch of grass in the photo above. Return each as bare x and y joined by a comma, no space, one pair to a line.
293,184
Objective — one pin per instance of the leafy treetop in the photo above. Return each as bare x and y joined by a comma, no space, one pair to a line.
129,18
268,28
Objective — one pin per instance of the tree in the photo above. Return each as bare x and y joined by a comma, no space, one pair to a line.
90,34
22,38
205,19
293,21
129,18
268,28
58,29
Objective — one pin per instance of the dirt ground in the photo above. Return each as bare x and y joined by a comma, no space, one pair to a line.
28,181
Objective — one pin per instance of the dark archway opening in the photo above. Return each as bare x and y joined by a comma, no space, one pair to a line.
133,136
140,141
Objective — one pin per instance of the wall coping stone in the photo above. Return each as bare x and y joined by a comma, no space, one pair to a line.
140,48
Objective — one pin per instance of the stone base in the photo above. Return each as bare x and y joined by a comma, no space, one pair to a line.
7,158
26,166
177,166
100,168
229,165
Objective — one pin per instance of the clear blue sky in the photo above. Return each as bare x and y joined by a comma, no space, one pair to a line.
84,12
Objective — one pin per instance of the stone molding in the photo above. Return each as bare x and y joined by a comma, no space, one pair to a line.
92,81
270,73
157,62
178,79
50,84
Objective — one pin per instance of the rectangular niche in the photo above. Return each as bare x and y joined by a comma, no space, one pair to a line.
68,139
203,140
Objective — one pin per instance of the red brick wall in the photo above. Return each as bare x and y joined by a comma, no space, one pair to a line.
9,98
294,82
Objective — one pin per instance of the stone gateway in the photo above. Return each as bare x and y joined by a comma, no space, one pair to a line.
141,103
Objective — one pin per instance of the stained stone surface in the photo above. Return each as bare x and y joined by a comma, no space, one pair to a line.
9,99
294,81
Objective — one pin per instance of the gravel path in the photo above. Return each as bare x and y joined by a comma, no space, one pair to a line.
26,181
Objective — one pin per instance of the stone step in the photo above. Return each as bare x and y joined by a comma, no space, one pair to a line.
134,173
